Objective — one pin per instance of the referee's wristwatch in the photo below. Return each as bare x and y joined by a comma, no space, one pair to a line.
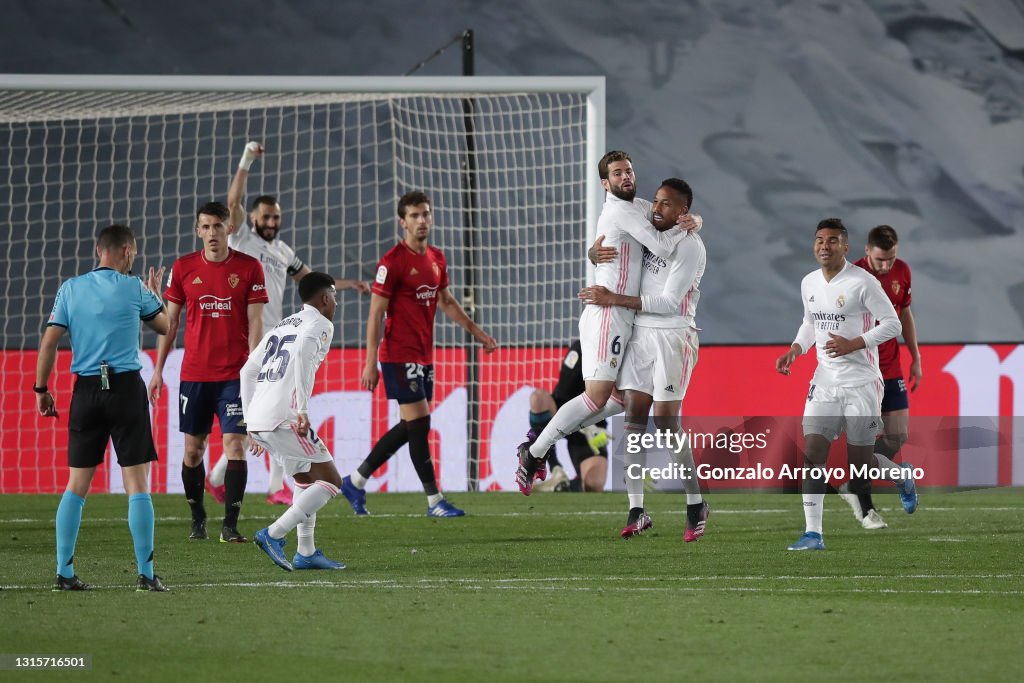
40,390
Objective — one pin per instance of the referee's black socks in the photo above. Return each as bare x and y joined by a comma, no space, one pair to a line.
234,489
193,479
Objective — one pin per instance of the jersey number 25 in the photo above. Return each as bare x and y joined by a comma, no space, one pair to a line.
275,362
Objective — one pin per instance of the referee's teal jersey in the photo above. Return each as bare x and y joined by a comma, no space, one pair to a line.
102,312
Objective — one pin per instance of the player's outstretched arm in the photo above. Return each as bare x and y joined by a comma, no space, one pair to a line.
639,228
447,302
358,285
236,191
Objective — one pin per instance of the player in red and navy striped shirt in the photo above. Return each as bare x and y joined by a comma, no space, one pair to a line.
411,284
223,293
894,276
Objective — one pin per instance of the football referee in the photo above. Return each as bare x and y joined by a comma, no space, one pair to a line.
101,310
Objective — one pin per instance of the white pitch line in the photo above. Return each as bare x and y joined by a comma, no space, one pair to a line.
484,584
553,513
539,582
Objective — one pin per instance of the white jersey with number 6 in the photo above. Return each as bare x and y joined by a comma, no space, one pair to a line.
605,330
277,380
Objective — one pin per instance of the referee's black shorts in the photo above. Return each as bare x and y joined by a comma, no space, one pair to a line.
121,414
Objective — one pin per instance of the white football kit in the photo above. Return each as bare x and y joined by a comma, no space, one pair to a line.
846,391
605,330
276,384
662,352
279,263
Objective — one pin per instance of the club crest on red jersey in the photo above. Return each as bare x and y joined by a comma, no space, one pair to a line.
437,271
895,287
233,280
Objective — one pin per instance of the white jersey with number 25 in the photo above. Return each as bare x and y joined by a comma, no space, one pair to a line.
277,379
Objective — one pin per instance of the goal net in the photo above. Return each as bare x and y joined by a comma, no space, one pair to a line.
509,163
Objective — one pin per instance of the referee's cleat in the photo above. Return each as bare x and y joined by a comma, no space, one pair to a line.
639,522
315,561
73,584
444,509
908,490
529,468
198,530
355,496
273,547
230,535
695,531
852,500
811,540
154,585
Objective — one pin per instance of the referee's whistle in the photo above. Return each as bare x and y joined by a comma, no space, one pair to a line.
104,376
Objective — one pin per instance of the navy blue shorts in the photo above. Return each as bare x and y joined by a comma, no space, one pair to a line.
408,382
895,396
198,402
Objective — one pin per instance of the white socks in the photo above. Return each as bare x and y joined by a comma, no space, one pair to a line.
216,475
305,506
358,480
435,499
635,462
814,505
611,409
304,535
684,458
573,415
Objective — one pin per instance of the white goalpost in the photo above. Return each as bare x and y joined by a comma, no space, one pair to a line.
510,164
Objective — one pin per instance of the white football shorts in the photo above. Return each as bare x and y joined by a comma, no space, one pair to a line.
830,411
292,452
604,333
659,362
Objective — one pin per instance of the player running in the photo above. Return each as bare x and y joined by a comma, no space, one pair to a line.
841,304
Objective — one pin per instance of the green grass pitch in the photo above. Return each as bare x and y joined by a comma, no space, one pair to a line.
537,588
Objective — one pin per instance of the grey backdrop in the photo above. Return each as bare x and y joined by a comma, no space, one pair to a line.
777,112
